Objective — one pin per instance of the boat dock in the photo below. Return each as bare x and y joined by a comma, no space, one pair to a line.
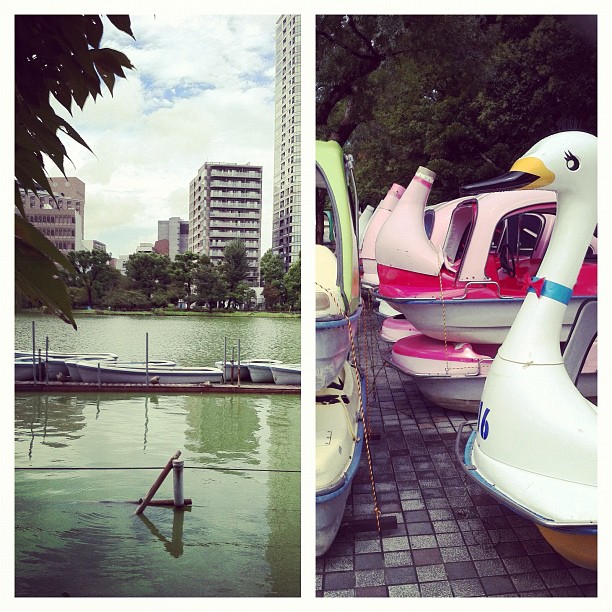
79,387
447,538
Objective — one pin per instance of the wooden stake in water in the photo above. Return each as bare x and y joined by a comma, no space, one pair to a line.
47,359
157,483
147,357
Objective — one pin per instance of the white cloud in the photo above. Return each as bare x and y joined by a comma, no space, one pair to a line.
203,90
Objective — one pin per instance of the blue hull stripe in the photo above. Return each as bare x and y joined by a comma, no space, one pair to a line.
485,484
339,321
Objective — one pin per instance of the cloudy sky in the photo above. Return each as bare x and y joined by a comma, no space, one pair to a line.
202,90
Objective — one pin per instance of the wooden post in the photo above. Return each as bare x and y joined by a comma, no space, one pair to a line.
147,358
157,483
177,474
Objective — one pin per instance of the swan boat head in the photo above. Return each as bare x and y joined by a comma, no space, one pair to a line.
536,441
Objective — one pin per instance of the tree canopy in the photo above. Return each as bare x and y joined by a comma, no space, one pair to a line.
460,94
56,56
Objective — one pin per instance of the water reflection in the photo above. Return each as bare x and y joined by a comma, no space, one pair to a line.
175,545
224,430
241,536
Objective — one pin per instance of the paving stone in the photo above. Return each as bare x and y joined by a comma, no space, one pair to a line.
369,561
338,564
334,581
400,575
404,590
436,589
497,585
368,546
399,558
490,567
430,573
340,593
395,543
422,541
427,556
375,577
467,588
557,578
455,553
414,529
377,591
461,570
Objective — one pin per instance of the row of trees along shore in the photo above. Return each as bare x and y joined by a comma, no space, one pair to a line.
155,281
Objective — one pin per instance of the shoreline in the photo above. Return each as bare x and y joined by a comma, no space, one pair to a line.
169,313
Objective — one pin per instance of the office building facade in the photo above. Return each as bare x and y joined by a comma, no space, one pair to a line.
172,237
61,219
286,220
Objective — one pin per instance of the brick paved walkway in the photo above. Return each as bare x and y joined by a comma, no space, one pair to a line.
451,540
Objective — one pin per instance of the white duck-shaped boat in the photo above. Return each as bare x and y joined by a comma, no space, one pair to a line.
535,447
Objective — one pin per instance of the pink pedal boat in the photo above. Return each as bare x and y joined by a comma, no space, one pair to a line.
452,375
470,287
379,217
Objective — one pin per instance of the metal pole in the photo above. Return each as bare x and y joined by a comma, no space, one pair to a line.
239,363
34,350
98,373
40,364
147,357
225,359
232,367
47,359
177,475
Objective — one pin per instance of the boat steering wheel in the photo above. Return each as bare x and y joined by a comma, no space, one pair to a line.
506,258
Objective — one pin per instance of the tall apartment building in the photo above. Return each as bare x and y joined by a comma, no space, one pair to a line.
172,237
60,220
225,205
286,220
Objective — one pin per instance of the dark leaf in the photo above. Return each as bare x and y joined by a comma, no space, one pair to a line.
122,22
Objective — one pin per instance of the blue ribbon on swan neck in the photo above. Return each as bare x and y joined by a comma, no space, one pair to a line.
550,289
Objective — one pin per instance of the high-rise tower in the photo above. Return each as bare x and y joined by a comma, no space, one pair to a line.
286,222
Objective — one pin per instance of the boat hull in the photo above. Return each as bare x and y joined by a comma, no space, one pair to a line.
260,371
232,370
339,443
102,373
466,320
576,539
333,343
286,374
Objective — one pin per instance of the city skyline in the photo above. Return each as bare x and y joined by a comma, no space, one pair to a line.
202,90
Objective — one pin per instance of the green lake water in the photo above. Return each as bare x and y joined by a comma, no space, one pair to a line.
81,458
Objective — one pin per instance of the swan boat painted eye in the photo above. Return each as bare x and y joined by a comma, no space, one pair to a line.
571,161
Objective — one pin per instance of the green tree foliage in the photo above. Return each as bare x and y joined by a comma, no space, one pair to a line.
91,270
272,267
272,274
148,272
462,95
211,288
182,272
293,280
59,56
235,264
